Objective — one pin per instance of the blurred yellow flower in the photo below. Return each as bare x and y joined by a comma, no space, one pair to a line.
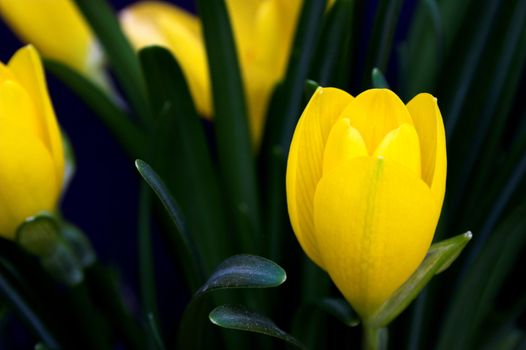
365,185
263,30
31,151
57,29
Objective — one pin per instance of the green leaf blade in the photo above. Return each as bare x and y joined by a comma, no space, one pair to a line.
231,122
119,51
194,267
340,309
119,123
239,318
244,271
182,156
439,257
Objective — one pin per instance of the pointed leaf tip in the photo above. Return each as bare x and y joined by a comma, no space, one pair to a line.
439,257
378,79
239,318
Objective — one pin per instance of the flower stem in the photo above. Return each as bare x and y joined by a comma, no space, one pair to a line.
374,338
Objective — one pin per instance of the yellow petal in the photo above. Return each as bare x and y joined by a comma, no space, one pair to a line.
305,162
17,111
264,31
258,91
156,23
242,15
55,27
374,223
27,68
374,113
270,45
344,143
5,73
28,179
430,128
401,145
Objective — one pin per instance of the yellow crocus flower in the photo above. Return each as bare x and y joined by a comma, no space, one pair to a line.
263,31
365,185
31,151
58,30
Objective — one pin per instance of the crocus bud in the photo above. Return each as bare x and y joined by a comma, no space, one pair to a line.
263,31
365,185
58,30
31,151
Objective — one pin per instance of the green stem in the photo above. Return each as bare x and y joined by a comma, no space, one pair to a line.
374,338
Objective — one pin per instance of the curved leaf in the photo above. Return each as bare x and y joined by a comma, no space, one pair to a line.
239,318
244,271
439,257
340,309
193,266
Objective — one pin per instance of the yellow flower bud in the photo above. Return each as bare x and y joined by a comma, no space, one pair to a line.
31,152
263,31
365,185
58,30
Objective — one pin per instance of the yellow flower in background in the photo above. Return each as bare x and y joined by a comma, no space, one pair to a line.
58,30
263,30
365,186
31,151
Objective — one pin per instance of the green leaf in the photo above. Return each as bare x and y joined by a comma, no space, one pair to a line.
39,235
378,79
78,243
193,263
333,44
182,157
239,318
381,41
310,88
467,310
234,146
63,265
155,334
244,271
41,346
422,54
120,53
239,271
17,302
43,236
282,120
439,257
485,119
340,309
389,20
147,280
126,132
463,79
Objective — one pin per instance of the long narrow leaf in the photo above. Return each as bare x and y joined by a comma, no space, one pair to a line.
467,310
333,44
10,294
231,123
144,243
124,129
182,158
193,263
120,53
